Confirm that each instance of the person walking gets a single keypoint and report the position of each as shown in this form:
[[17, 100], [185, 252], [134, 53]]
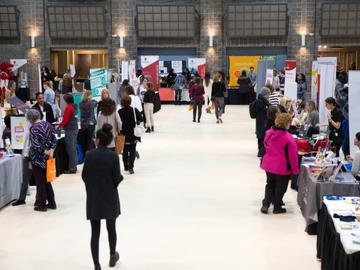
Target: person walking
[[108, 115], [179, 86], [217, 96], [149, 98], [42, 145], [101, 175], [280, 162], [207, 83], [129, 116], [197, 93], [70, 125], [87, 120]]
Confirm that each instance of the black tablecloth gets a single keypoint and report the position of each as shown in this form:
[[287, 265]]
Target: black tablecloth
[[329, 246], [61, 158], [235, 97]]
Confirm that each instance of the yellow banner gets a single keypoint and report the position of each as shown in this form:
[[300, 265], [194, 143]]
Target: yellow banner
[[240, 63]]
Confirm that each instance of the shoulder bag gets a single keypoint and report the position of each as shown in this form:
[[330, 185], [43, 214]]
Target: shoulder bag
[[139, 129]]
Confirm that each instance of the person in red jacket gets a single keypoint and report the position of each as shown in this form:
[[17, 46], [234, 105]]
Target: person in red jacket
[[197, 93], [280, 162]]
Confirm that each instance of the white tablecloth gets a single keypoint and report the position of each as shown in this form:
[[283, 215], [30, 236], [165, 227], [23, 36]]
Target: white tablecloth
[[344, 208], [10, 179]]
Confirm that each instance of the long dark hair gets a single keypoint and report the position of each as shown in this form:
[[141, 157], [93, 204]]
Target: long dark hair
[[104, 135], [207, 79]]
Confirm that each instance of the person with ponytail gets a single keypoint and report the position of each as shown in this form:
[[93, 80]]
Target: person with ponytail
[[335, 118], [101, 175]]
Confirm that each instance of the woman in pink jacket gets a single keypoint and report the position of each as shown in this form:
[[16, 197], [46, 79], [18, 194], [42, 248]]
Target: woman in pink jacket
[[280, 162]]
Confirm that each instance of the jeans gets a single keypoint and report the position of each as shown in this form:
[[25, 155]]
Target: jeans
[[129, 154], [44, 190], [219, 106], [149, 114], [88, 138], [70, 144], [197, 108], [95, 236], [178, 94], [276, 186]]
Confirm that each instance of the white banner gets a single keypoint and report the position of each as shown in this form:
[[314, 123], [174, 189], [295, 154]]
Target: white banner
[[124, 70], [291, 91], [177, 66], [133, 81], [314, 81], [327, 71], [269, 76], [18, 132], [18, 63], [354, 108], [147, 60]]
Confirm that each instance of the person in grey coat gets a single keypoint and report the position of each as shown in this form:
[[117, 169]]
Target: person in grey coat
[[102, 175], [87, 120]]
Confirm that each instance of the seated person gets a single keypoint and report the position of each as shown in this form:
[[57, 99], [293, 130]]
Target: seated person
[[356, 159], [44, 107]]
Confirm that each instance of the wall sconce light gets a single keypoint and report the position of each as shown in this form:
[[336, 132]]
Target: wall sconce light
[[121, 41], [303, 40], [211, 41], [33, 45]]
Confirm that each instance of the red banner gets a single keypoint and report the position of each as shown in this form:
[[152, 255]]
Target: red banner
[[151, 72]]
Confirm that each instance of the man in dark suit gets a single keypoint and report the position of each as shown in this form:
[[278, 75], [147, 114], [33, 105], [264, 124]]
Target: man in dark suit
[[44, 108]]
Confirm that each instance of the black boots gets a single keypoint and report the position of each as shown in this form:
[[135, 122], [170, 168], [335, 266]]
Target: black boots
[[148, 130], [114, 259], [18, 202]]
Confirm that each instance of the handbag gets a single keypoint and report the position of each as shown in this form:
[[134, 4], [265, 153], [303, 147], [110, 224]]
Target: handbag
[[139, 129], [119, 144], [50, 170]]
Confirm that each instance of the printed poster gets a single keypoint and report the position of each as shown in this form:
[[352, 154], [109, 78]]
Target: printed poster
[[150, 69], [19, 128], [240, 63], [197, 65], [18, 63], [98, 79], [290, 79], [133, 81], [314, 82], [124, 70]]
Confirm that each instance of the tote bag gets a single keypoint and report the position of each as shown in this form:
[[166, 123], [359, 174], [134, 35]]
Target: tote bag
[[139, 129], [50, 170], [119, 144]]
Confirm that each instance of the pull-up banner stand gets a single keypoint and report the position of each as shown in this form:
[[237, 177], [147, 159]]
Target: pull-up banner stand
[[151, 69], [354, 108]]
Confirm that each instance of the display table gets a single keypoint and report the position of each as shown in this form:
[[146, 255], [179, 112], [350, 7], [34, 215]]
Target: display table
[[338, 244], [311, 193], [167, 95], [235, 97], [10, 179]]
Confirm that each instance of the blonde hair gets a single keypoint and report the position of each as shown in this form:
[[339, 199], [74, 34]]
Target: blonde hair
[[283, 120], [285, 102], [87, 95], [217, 77], [311, 106], [103, 92]]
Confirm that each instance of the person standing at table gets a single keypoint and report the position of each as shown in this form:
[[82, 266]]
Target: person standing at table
[[197, 93], [179, 86], [101, 175], [280, 162], [301, 86], [244, 83], [335, 118], [44, 108], [312, 119], [129, 117], [252, 76], [70, 125], [108, 115], [87, 120], [217, 96], [149, 99], [42, 145], [105, 94]]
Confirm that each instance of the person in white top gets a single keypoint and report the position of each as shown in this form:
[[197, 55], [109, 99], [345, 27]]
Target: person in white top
[[142, 89], [135, 100], [356, 159], [208, 82]]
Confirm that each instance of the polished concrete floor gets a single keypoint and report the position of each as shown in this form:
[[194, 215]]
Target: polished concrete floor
[[192, 204]]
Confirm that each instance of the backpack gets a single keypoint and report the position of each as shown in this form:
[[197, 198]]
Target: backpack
[[252, 109]]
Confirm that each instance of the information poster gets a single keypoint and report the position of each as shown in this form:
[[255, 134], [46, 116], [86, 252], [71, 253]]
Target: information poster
[[240, 63], [314, 82], [327, 71], [151, 69], [77, 100], [18, 63], [290, 76], [177, 66], [354, 108], [18, 132], [133, 81], [124, 70], [98, 79], [269, 76], [197, 65]]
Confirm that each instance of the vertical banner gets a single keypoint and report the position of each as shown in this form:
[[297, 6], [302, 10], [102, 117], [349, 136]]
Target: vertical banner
[[269, 76], [327, 72], [354, 108], [98, 78], [18, 132], [18, 63], [124, 70], [40, 82], [133, 81], [177, 66], [239, 63], [197, 65], [314, 82], [290, 76], [150, 69]]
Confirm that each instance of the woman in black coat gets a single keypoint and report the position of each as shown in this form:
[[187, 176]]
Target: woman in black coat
[[127, 115], [102, 175]]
